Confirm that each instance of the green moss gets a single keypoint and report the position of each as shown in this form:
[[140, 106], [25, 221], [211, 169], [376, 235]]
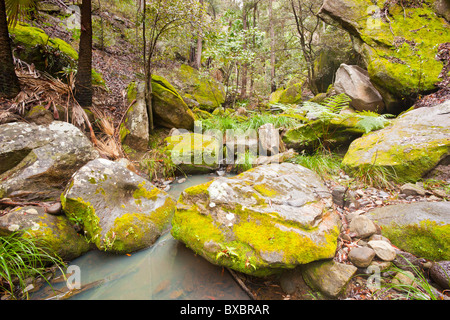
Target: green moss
[[83, 213], [202, 88], [265, 190], [407, 162], [131, 230], [428, 239], [32, 36], [143, 192], [403, 60]]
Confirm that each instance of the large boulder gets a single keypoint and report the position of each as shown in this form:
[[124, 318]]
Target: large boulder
[[118, 210], [33, 45], [53, 232], [331, 130], [397, 50], [198, 89], [410, 147], [355, 83], [194, 153], [291, 95], [169, 108], [422, 228], [48, 54], [268, 218], [36, 162]]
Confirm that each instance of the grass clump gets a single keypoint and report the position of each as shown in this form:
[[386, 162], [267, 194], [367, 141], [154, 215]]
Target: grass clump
[[21, 258], [325, 164]]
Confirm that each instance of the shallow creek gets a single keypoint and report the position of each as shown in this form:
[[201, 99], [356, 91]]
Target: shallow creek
[[167, 270]]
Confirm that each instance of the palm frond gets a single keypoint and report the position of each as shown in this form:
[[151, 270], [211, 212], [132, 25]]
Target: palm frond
[[16, 9]]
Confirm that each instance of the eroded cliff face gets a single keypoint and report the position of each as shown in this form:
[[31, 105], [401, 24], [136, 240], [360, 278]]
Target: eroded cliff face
[[397, 42]]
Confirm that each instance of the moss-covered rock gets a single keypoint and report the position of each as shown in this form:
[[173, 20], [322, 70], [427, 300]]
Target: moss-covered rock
[[264, 220], [207, 93], [422, 228], [398, 50], [118, 210], [169, 108], [53, 232], [291, 95], [409, 148], [194, 152], [134, 130], [52, 55], [338, 131]]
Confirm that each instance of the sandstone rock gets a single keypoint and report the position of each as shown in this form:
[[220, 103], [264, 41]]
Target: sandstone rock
[[56, 232], [169, 109], [419, 228], [355, 82], [361, 257], [440, 273], [410, 147], [410, 189], [194, 152], [270, 217], [390, 47], [362, 227], [37, 161], [329, 277], [383, 250], [134, 131], [118, 210]]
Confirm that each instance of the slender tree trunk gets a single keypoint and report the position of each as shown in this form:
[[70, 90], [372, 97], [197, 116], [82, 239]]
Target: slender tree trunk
[[148, 70], [245, 64], [9, 83], [273, 86], [83, 79], [198, 56]]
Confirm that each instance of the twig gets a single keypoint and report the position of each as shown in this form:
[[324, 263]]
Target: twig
[[241, 284]]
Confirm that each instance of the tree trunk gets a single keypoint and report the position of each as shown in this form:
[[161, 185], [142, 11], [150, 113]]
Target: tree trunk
[[198, 56], [9, 83], [245, 64], [273, 86], [83, 79]]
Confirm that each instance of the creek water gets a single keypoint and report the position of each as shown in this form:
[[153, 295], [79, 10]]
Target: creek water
[[166, 271]]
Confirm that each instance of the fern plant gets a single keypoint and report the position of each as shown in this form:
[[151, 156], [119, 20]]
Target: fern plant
[[372, 121], [337, 102]]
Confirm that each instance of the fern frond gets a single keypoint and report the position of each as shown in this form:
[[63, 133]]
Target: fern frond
[[372, 121], [337, 102]]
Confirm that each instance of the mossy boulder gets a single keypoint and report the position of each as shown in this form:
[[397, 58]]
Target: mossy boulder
[[52, 55], [37, 161], [53, 232], [260, 222], [194, 153], [409, 148], [398, 51], [169, 108], [422, 228], [205, 92], [332, 130], [118, 210], [291, 95]]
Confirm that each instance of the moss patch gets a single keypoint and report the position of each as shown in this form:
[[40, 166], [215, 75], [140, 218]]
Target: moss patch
[[428, 239]]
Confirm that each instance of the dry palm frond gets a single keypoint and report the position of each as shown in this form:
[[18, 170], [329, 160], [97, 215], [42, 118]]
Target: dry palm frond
[[104, 122], [107, 145]]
